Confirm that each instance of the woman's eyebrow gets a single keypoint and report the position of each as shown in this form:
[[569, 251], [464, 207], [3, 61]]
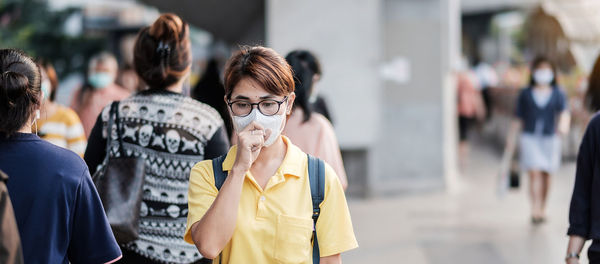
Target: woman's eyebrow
[[242, 97]]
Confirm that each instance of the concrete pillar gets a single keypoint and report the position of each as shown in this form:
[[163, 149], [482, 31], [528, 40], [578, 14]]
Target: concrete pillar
[[417, 146], [396, 136], [345, 36]]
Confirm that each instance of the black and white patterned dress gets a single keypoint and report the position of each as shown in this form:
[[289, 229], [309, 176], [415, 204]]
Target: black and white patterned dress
[[171, 132]]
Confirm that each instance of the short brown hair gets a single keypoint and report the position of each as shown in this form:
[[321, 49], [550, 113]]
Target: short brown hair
[[162, 52], [264, 66]]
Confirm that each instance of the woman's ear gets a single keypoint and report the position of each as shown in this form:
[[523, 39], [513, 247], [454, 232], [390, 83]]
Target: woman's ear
[[227, 106], [290, 104]]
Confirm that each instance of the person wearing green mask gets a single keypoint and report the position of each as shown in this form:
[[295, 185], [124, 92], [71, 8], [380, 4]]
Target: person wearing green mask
[[99, 90], [58, 124]]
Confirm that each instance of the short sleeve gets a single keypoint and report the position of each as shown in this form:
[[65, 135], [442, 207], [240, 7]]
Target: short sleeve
[[581, 199], [328, 148], [334, 227], [92, 240], [520, 107], [201, 194], [563, 102]]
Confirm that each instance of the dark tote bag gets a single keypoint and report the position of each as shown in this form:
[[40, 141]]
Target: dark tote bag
[[119, 182]]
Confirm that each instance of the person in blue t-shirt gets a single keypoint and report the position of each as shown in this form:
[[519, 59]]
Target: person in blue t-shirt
[[58, 212]]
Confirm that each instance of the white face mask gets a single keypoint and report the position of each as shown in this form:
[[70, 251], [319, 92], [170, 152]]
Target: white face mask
[[45, 87], [543, 76], [273, 123]]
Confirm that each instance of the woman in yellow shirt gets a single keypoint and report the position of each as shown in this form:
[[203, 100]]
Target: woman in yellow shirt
[[262, 213], [58, 124]]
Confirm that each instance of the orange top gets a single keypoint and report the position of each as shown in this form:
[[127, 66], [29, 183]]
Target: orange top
[[316, 137]]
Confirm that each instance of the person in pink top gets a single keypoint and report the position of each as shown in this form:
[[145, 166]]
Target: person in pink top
[[470, 108], [99, 90], [311, 131]]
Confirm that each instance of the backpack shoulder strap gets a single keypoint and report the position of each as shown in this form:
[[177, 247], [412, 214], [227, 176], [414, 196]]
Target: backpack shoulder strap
[[316, 175], [220, 177], [218, 172]]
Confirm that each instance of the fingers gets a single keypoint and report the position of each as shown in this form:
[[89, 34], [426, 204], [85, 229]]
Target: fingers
[[267, 134], [253, 136], [252, 139], [253, 126]]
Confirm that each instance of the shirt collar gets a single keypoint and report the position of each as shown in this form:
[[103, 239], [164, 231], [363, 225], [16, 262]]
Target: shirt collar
[[293, 164], [20, 137]]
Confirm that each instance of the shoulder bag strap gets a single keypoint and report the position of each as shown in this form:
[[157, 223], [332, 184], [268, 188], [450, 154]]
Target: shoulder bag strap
[[118, 126], [109, 125]]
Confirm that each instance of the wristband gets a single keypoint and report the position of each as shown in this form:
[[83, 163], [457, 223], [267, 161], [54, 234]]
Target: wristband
[[572, 255]]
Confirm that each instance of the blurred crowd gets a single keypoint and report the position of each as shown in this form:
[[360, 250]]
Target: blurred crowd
[[106, 178]]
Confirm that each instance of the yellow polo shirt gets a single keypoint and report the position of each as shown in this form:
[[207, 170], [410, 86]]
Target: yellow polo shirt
[[275, 225]]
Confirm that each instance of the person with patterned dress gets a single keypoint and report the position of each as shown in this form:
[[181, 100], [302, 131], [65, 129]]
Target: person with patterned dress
[[172, 132]]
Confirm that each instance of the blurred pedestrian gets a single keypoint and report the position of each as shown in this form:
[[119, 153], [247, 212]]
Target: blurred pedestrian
[[210, 90], [584, 210], [488, 79], [10, 242], [311, 131], [98, 91], [58, 124], [542, 116], [316, 100], [171, 131], [58, 212], [127, 77], [470, 109], [262, 211]]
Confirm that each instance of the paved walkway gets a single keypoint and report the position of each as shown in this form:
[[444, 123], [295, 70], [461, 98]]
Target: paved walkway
[[471, 226]]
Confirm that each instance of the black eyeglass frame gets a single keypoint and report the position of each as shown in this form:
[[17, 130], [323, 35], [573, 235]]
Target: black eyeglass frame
[[279, 103]]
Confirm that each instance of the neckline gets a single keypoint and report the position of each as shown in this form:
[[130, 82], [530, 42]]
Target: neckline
[[157, 91], [552, 92], [23, 137]]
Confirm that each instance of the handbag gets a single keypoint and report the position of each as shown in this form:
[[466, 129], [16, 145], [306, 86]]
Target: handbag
[[119, 183], [514, 181]]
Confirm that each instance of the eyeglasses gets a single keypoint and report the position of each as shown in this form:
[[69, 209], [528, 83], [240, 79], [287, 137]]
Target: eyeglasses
[[267, 107]]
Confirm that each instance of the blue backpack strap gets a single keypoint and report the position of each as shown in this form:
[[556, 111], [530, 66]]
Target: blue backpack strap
[[316, 175], [220, 175]]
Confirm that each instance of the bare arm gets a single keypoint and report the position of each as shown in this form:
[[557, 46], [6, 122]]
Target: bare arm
[[564, 123], [511, 143], [333, 259], [212, 233], [215, 229], [575, 246]]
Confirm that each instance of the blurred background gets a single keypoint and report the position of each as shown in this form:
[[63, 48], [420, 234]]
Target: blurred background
[[389, 78]]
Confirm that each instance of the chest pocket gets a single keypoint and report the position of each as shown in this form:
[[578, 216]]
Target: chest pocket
[[292, 240]]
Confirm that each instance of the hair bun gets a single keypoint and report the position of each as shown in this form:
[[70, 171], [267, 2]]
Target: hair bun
[[167, 27], [14, 84]]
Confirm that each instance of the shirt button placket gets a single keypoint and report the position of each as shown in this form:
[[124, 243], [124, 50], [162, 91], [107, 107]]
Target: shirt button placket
[[262, 209]]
